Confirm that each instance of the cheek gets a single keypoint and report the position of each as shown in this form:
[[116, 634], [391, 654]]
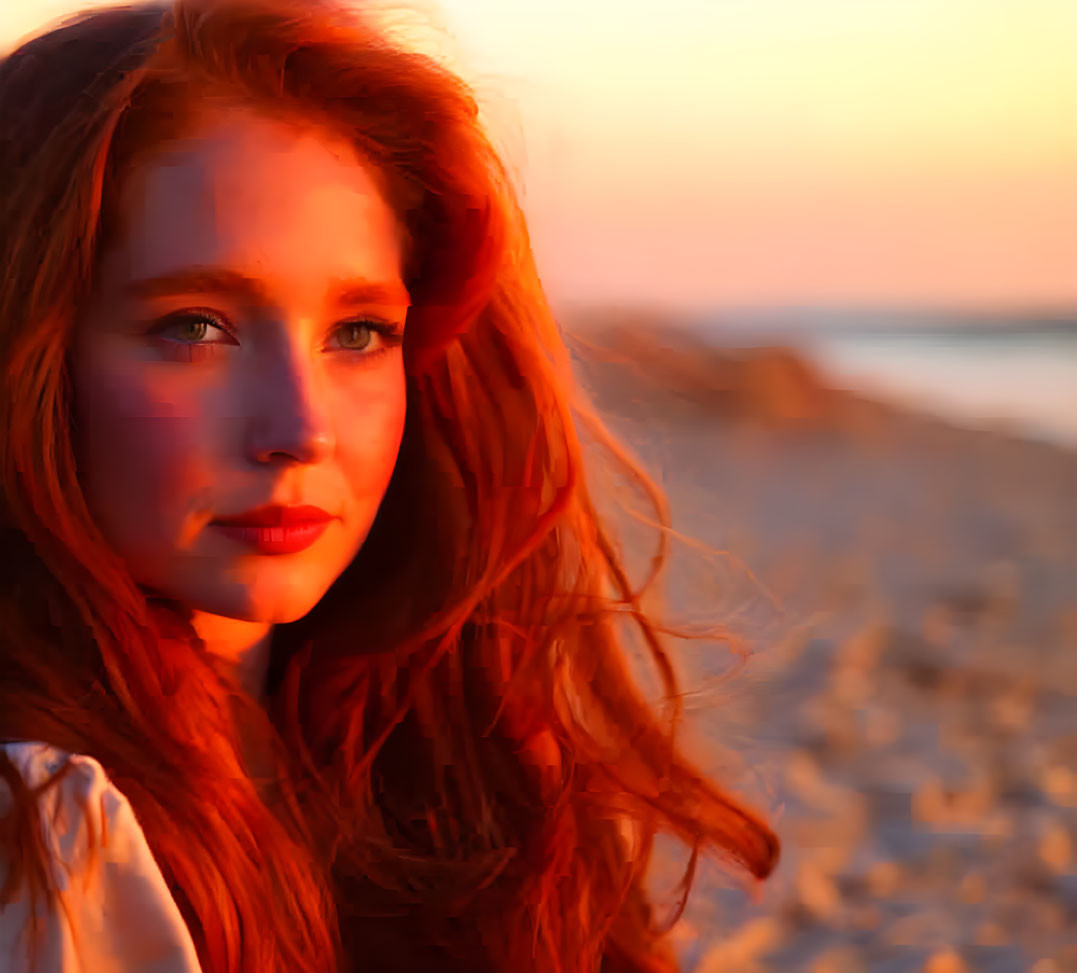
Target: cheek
[[369, 431], [139, 459]]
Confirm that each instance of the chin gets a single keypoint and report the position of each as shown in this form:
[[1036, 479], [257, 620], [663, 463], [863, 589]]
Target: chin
[[272, 611], [265, 599]]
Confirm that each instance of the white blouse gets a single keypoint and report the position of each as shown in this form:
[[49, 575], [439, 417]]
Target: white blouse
[[117, 918]]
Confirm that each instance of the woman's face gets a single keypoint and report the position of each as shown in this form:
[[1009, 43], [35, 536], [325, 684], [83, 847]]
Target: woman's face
[[234, 357]]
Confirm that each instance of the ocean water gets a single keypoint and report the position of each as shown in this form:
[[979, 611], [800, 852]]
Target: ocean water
[[1017, 375]]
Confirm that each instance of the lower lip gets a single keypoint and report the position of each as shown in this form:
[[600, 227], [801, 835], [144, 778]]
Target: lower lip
[[276, 540]]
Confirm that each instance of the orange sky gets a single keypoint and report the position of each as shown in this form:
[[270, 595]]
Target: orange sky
[[709, 152]]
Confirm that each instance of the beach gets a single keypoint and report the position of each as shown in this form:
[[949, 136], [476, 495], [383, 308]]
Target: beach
[[907, 716]]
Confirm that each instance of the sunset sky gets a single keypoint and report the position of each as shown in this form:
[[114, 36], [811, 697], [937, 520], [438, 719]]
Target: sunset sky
[[700, 153]]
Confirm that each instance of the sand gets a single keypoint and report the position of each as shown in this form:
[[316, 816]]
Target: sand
[[908, 717]]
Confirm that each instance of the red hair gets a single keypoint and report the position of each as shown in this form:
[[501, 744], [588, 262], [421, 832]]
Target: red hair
[[469, 776]]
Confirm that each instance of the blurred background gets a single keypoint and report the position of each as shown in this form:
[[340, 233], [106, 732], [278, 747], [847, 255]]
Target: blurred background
[[816, 261]]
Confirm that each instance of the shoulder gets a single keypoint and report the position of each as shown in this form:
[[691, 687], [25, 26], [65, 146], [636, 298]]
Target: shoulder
[[113, 909], [82, 814]]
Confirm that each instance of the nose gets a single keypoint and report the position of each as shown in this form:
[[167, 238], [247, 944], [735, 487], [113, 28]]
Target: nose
[[292, 418]]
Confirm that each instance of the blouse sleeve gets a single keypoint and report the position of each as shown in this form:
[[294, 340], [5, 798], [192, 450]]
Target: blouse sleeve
[[116, 916]]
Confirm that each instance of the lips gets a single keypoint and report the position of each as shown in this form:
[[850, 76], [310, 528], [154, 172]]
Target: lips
[[275, 540], [277, 515]]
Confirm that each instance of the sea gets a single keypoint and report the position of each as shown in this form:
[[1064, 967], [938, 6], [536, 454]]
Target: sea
[[1017, 373]]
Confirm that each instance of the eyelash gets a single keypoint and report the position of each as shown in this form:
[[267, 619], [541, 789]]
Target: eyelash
[[390, 334]]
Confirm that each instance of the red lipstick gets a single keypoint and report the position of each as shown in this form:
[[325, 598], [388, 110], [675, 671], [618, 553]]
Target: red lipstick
[[276, 529]]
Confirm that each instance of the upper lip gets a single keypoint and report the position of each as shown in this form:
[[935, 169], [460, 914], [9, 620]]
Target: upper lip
[[276, 515]]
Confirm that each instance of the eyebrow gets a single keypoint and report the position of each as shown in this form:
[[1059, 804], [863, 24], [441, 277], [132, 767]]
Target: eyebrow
[[223, 281]]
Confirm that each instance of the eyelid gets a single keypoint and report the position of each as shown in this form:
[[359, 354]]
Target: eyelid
[[393, 327]]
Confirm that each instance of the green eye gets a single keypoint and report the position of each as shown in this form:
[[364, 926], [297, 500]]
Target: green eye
[[357, 335], [197, 326]]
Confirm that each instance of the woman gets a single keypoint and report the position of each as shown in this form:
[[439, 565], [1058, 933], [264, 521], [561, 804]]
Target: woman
[[258, 259]]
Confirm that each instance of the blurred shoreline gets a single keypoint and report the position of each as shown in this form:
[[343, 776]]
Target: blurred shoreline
[[1003, 372]]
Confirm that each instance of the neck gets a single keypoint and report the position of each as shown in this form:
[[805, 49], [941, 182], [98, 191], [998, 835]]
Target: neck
[[242, 646]]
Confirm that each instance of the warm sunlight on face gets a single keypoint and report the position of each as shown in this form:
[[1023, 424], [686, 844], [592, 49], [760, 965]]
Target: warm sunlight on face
[[276, 376]]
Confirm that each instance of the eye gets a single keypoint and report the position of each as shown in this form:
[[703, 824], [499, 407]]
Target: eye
[[180, 336], [357, 335], [184, 334], [191, 327]]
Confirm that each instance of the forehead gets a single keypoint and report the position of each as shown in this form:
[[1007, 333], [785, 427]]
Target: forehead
[[270, 197]]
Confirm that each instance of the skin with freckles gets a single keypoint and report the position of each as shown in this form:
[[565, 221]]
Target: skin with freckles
[[242, 348]]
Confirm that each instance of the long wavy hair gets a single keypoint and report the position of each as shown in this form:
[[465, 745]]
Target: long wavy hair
[[469, 775]]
